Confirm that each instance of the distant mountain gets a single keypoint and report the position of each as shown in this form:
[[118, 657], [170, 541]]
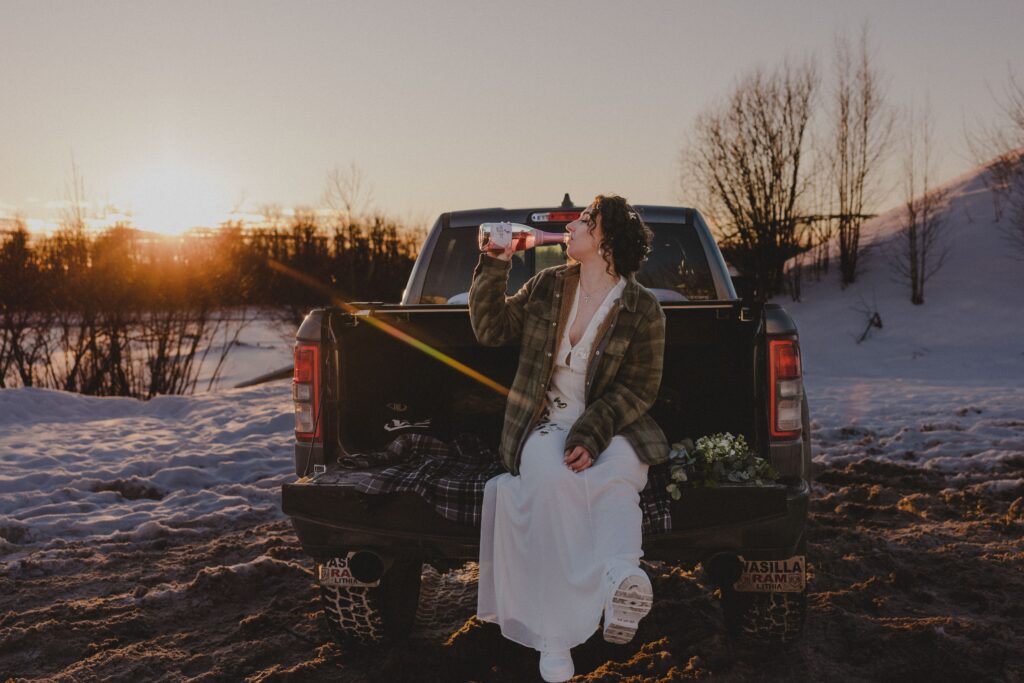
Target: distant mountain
[[970, 328]]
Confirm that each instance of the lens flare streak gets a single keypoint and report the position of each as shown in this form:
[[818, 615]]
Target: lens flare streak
[[391, 329]]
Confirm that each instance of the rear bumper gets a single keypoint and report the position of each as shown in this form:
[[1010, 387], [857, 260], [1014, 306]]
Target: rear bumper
[[772, 532], [329, 518], [762, 522]]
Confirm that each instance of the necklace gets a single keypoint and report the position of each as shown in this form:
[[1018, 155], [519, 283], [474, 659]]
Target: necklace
[[586, 296]]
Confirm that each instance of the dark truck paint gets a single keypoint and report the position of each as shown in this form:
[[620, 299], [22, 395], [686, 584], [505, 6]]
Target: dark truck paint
[[715, 379]]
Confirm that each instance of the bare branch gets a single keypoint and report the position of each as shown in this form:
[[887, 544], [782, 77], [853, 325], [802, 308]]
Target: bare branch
[[348, 194], [921, 248], [746, 170], [863, 126]]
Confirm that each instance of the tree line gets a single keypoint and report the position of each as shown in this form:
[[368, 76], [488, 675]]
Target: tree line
[[127, 313]]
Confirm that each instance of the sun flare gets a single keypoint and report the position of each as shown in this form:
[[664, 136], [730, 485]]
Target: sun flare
[[171, 200]]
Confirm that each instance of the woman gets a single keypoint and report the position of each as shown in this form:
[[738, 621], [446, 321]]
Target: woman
[[560, 540]]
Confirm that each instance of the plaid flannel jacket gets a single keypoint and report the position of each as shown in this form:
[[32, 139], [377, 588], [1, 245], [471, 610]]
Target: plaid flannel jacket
[[623, 371], [451, 477]]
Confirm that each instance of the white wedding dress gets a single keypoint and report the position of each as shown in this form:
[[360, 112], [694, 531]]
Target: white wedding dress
[[548, 536]]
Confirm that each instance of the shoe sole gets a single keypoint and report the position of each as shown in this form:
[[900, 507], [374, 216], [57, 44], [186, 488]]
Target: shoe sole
[[564, 673], [630, 603]]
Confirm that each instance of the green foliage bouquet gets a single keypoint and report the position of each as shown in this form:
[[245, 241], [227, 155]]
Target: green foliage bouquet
[[714, 459]]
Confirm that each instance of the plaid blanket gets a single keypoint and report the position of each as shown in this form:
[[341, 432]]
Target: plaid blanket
[[451, 477]]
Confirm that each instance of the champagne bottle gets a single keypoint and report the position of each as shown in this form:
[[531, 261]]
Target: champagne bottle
[[497, 236]]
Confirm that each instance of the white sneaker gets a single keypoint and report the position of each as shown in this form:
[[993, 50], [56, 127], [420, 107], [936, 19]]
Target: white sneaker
[[629, 601], [556, 666]]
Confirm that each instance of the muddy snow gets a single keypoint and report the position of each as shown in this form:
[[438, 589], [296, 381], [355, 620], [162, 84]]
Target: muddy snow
[[125, 560]]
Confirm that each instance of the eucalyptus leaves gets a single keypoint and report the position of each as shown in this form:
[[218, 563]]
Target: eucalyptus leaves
[[716, 459]]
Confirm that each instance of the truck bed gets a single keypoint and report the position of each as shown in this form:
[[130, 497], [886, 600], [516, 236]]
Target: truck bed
[[709, 384]]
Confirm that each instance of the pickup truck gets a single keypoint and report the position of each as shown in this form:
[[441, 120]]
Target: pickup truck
[[731, 365]]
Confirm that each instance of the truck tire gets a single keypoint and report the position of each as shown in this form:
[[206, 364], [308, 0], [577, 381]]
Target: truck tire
[[765, 618], [368, 616]]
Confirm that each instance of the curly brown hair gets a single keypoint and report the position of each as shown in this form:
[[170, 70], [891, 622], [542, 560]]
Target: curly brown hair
[[625, 235]]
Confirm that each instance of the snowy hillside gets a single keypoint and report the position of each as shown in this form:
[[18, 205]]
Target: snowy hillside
[[970, 330], [939, 385]]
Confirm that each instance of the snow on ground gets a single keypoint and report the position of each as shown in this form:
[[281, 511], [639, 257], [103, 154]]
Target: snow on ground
[[941, 385], [82, 468], [975, 435], [263, 346], [969, 331]]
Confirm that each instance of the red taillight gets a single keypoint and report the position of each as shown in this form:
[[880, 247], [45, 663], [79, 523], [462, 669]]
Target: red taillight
[[563, 216], [786, 388], [306, 392], [786, 359], [305, 363]]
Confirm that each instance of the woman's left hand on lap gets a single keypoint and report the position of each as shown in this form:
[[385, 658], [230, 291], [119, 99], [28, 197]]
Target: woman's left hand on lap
[[578, 459]]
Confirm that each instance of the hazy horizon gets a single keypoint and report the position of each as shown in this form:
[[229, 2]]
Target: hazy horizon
[[182, 112]]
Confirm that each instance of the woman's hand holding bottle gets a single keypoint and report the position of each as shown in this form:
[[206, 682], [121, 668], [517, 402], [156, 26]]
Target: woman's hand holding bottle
[[497, 241], [501, 240]]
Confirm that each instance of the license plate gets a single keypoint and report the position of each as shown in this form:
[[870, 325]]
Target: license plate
[[773, 576], [336, 572]]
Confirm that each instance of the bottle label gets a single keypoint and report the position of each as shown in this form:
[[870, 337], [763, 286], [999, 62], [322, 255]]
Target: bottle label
[[501, 235]]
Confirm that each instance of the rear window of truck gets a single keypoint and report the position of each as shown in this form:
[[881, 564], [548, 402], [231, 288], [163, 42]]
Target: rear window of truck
[[677, 269]]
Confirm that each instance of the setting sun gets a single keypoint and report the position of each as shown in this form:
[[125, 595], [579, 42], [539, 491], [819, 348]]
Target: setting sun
[[173, 199]]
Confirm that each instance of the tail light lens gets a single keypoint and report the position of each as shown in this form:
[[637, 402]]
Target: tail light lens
[[786, 388], [551, 216], [306, 392]]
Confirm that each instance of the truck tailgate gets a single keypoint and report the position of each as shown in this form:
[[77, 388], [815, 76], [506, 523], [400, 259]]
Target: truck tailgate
[[325, 513]]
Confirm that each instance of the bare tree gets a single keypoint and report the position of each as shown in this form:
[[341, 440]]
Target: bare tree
[[920, 250], [820, 229], [73, 214], [348, 194], [863, 127], [22, 308], [745, 167], [1000, 146]]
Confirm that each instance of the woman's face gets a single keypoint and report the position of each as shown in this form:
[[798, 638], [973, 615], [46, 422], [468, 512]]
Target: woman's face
[[585, 234]]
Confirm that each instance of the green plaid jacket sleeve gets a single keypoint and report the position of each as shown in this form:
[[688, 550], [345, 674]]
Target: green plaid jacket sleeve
[[496, 318], [625, 399]]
